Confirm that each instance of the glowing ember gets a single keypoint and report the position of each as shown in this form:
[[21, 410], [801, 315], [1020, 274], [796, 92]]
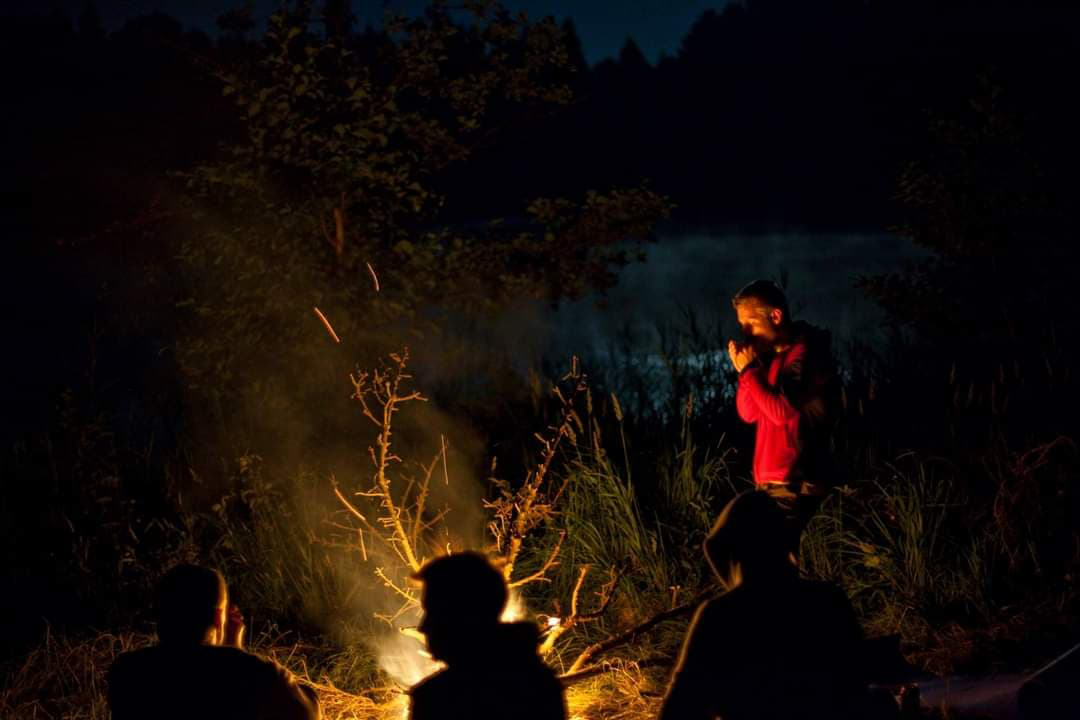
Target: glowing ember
[[373, 275], [326, 324], [553, 622]]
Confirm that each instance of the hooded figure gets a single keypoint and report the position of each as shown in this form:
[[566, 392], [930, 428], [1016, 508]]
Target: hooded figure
[[492, 669], [774, 646]]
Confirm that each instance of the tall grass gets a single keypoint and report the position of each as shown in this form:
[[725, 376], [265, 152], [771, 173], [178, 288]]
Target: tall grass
[[643, 517], [64, 677], [920, 558], [965, 560], [264, 536]]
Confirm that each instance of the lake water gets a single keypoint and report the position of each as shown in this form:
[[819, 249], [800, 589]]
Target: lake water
[[703, 270]]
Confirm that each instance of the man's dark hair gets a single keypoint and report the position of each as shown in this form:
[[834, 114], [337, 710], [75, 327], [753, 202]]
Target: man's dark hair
[[765, 292], [465, 584], [188, 598]]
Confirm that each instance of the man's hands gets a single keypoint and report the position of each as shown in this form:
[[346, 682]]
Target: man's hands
[[234, 628], [741, 355]]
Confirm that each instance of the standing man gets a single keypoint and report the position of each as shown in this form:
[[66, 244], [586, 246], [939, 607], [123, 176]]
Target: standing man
[[787, 389]]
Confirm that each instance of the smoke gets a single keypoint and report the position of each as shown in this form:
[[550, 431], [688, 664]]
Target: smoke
[[403, 659], [285, 395], [374, 613], [267, 377]]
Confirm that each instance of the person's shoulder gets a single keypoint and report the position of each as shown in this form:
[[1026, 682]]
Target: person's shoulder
[[819, 588], [133, 662], [815, 340], [137, 656], [719, 609], [131, 681], [434, 695], [544, 674], [250, 664], [433, 686], [822, 588], [825, 596], [150, 659]]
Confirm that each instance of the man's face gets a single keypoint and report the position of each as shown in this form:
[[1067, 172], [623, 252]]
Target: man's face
[[439, 627], [759, 323]]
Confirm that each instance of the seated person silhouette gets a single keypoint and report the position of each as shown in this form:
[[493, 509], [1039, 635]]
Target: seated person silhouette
[[198, 669], [492, 669], [774, 646]]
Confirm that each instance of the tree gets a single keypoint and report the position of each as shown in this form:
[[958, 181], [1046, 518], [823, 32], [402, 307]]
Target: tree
[[330, 197], [978, 200], [988, 311], [575, 55]]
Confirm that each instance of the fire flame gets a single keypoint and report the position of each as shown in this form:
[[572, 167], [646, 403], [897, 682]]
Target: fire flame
[[515, 608]]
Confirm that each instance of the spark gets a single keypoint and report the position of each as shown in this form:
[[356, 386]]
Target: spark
[[373, 275], [446, 473], [326, 324]]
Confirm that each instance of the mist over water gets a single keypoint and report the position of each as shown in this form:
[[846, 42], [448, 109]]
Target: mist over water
[[700, 271]]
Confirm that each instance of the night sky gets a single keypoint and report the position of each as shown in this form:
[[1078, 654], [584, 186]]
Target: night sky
[[604, 25]]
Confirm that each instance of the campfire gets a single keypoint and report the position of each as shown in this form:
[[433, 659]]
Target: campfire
[[391, 523]]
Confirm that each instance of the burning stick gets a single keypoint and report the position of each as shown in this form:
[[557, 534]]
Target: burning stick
[[373, 275], [326, 324]]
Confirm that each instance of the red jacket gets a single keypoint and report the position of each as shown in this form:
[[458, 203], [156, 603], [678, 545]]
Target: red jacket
[[787, 403]]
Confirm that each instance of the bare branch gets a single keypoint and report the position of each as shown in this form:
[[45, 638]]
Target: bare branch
[[523, 511], [606, 595], [348, 505], [569, 679], [635, 632], [541, 573], [405, 594], [582, 573]]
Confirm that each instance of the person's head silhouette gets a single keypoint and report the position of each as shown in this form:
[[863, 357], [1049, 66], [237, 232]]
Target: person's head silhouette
[[191, 606], [463, 599], [750, 540]]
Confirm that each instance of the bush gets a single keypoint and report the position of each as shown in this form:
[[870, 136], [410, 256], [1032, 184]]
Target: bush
[[921, 557]]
